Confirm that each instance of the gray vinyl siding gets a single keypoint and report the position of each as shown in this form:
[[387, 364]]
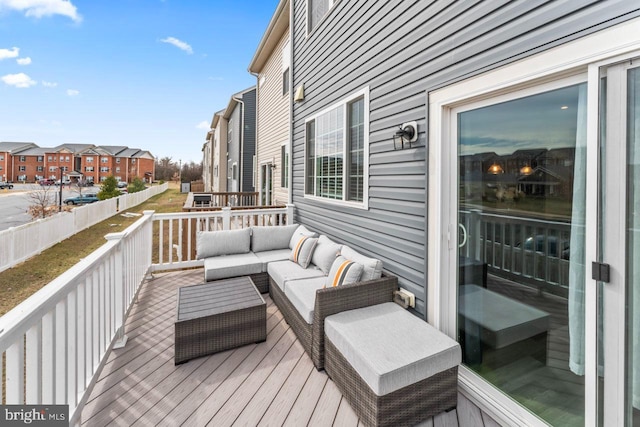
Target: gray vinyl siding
[[249, 140], [402, 50]]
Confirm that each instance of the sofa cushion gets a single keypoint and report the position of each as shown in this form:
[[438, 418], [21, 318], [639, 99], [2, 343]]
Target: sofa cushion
[[325, 253], [389, 347], [224, 266], [302, 295], [271, 237], [372, 266], [303, 251], [343, 272], [283, 271], [227, 242], [300, 231], [270, 256]]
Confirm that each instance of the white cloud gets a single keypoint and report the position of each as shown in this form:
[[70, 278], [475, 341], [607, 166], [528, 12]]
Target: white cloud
[[23, 61], [73, 92], [9, 53], [20, 80], [40, 8], [203, 125], [177, 43], [49, 84]]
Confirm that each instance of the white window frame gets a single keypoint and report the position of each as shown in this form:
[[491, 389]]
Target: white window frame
[[104, 160], [117, 159], [104, 169], [89, 159], [364, 93], [578, 56], [22, 168], [285, 165]]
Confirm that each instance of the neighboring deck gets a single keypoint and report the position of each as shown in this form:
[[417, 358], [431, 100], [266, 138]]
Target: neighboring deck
[[271, 383]]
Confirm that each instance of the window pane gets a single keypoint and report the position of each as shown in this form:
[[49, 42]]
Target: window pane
[[317, 10], [329, 154], [521, 265]]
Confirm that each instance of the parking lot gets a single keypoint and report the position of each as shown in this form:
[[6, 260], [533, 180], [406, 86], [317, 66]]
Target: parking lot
[[14, 203]]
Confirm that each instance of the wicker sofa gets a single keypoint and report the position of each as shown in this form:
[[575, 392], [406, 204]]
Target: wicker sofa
[[300, 291]]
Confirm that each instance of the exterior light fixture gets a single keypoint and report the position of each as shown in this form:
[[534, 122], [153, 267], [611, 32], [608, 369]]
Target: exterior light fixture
[[406, 133], [495, 169], [526, 170], [299, 95]]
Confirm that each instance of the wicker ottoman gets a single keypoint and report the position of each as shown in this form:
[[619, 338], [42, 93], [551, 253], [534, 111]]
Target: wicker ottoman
[[217, 316], [393, 368]]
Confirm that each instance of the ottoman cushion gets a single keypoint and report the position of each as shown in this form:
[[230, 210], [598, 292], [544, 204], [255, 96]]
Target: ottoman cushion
[[389, 347]]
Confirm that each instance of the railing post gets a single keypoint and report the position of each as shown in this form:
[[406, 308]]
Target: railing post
[[226, 218], [119, 306], [475, 248], [290, 207]]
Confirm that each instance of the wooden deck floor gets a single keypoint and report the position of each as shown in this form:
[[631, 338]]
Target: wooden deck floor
[[271, 383]]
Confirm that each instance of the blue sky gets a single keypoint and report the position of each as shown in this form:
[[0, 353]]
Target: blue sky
[[142, 73]]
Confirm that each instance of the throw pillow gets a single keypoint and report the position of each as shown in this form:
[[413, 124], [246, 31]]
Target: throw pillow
[[372, 266], [325, 253], [303, 251], [300, 231], [269, 238], [227, 242], [344, 272]]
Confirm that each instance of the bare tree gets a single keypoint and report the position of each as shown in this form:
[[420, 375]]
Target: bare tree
[[43, 201]]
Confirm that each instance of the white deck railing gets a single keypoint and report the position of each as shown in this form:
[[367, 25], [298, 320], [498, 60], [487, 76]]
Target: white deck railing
[[175, 245], [56, 341], [18, 244]]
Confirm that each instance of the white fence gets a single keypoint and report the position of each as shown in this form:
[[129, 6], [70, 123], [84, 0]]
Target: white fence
[[56, 341], [18, 244], [174, 247]]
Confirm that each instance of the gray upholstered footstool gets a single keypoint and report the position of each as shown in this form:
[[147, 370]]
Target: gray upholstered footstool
[[393, 368]]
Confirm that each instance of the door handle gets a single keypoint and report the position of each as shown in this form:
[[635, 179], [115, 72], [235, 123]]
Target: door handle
[[600, 272]]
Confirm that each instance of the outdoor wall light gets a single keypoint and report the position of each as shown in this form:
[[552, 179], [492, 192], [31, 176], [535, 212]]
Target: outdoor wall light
[[526, 170], [406, 133], [299, 95], [495, 169]]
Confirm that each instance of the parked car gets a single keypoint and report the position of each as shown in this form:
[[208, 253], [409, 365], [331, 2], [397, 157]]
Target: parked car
[[122, 184], [64, 182], [81, 200], [4, 185], [46, 182], [85, 183]]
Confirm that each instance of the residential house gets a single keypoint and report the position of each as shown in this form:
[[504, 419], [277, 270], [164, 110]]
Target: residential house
[[271, 64], [240, 118], [7, 162], [218, 143], [391, 95]]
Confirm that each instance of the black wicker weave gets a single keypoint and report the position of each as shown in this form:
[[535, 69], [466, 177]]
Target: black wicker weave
[[407, 406], [217, 316], [331, 301]]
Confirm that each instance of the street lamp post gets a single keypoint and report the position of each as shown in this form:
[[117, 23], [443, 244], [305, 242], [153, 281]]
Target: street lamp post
[[60, 198]]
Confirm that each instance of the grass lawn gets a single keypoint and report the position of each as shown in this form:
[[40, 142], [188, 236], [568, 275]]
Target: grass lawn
[[21, 281]]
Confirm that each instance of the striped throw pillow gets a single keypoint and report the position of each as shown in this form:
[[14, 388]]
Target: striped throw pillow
[[303, 250], [343, 272]]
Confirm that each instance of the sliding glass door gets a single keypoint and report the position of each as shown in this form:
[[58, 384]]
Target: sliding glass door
[[520, 266]]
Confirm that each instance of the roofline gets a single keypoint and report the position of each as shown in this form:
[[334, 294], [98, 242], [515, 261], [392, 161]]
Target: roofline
[[226, 113], [272, 35]]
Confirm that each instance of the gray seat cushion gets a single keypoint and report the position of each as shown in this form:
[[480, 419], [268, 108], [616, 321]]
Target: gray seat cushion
[[270, 256], [283, 271], [389, 347], [302, 294], [225, 266]]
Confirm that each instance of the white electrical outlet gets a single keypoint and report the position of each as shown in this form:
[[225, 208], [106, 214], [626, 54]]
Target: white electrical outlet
[[412, 297]]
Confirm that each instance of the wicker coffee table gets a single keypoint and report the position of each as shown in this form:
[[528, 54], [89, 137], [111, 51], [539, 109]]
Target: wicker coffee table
[[217, 316]]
